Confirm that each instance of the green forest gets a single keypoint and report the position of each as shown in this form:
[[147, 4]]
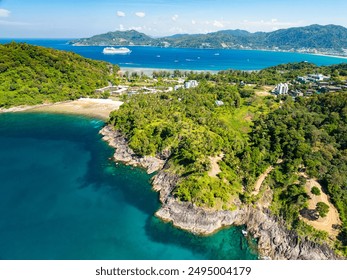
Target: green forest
[[32, 75], [307, 134]]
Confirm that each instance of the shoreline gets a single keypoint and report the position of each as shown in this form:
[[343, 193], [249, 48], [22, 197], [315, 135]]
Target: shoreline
[[218, 49], [149, 71], [275, 241], [91, 107]]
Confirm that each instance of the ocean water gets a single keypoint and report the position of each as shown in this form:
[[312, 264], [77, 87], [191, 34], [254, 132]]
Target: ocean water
[[62, 198], [188, 59]]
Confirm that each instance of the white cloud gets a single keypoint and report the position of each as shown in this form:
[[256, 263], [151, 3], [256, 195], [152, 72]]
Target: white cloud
[[120, 14], [268, 25], [140, 14], [137, 28], [175, 17], [193, 22], [121, 27], [218, 24], [4, 13]]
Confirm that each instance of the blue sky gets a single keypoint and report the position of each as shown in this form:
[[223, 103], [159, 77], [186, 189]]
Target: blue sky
[[77, 18]]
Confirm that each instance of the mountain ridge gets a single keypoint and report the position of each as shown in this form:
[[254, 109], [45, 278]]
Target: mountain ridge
[[331, 39]]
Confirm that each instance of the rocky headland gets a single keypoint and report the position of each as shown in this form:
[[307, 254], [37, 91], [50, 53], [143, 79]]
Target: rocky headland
[[275, 241]]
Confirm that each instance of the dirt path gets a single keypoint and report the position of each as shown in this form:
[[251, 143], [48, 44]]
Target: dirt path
[[332, 217], [215, 169], [264, 91], [261, 180]]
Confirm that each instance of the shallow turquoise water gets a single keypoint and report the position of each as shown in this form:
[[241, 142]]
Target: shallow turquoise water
[[62, 198]]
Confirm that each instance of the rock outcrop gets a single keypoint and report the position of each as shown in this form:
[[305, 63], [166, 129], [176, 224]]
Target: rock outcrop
[[124, 154], [274, 240]]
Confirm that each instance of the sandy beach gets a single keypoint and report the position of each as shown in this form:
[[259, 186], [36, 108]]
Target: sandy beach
[[98, 108]]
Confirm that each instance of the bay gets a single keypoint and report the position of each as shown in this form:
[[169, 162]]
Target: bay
[[186, 59], [62, 198]]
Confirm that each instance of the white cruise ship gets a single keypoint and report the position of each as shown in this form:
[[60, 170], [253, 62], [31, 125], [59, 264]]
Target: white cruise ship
[[111, 50]]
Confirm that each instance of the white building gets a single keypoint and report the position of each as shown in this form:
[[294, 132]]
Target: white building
[[177, 87], [219, 102], [281, 88], [317, 77], [191, 84]]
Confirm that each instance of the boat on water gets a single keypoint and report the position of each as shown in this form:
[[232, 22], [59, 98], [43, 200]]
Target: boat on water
[[111, 50]]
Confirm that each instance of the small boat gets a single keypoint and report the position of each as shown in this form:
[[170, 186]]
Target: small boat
[[244, 232], [111, 50]]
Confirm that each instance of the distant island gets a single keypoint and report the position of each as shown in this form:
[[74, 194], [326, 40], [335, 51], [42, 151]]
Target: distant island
[[317, 39]]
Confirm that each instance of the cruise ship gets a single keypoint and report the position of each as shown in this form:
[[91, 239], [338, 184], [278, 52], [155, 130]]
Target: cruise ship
[[111, 50]]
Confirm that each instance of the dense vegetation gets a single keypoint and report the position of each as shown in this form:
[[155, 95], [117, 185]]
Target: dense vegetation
[[190, 126], [309, 134], [33, 75], [329, 37], [250, 132]]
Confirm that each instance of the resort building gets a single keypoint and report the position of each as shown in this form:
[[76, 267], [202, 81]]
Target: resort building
[[281, 89], [191, 84], [316, 77]]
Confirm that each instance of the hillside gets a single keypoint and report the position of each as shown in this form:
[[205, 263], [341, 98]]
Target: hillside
[[329, 38], [32, 75], [219, 153]]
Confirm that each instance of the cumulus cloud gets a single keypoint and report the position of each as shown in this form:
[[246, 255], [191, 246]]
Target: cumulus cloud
[[120, 14], [140, 14], [193, 22], [218, 24], [4, 13], [137, 28], [174, 17]]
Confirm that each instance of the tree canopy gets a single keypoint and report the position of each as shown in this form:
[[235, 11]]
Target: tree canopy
[[32, 75]]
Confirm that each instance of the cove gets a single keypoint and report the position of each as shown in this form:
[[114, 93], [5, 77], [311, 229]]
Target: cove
[[62, 198]]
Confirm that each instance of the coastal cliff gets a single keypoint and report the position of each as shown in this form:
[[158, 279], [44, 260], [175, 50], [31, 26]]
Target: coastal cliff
[[126, 155], [274, 240]]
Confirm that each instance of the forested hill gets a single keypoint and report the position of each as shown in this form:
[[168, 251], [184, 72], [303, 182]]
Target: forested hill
[[32, 75], [314, 37], [246, 135]]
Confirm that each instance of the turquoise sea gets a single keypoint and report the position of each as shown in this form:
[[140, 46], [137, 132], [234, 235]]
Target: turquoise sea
[[61, 197], [189, 59]]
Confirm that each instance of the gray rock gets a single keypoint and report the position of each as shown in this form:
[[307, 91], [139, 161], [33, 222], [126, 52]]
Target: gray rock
[[124, 154]]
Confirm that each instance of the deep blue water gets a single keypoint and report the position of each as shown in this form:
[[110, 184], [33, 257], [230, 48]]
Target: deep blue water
[[192, 59], [61, 197]]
